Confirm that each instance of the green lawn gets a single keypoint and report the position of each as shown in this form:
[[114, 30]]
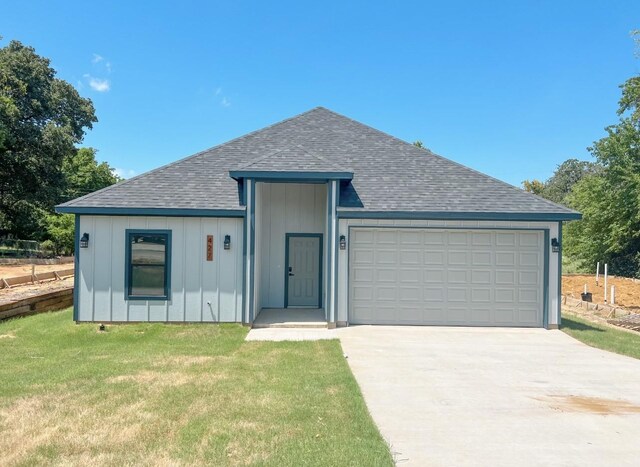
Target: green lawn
[[602, 337], [156, 394]]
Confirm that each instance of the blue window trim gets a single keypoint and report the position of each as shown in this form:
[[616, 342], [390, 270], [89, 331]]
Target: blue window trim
[[167, 265], [288, 236]]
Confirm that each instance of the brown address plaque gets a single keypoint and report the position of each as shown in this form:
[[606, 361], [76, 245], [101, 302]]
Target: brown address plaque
[[209, 247]]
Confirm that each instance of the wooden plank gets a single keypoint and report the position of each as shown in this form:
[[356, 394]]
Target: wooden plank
[[19, 280], [37, 298]]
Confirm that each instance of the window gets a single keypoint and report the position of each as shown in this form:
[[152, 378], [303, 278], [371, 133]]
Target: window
[[148, 264]]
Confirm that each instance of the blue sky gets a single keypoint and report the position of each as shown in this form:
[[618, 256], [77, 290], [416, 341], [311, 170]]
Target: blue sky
[[509, 88]]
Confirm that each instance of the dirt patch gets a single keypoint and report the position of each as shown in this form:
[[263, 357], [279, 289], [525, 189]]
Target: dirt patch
[[7, 336], [16, 270], [584, 404], [186, 360], [154, 378], [627, 290]]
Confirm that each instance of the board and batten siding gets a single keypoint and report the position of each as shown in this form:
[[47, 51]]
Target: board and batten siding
[[283, 208], [194, 281], [553, 301]]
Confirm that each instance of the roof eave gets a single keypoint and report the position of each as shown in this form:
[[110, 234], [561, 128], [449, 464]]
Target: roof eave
[[459, 215], [165, 212], [289, 175]]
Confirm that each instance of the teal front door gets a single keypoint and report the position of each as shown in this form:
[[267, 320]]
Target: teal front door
[[304, 270]]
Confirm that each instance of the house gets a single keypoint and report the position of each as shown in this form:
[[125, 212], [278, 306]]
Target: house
[[318, 212]]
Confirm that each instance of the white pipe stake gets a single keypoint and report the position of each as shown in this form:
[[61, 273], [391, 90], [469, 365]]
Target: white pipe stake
[[613, 294], [585, 288], [606, 273], [597, 272]]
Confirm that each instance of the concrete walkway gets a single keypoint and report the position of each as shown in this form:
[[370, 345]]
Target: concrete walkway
[[500, 397]]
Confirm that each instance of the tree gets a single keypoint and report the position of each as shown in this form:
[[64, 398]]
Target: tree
[[83, 174], [559, 185], [417, 143], [42, 118], [533, 186], [610, 198], [60, 230], [565, 177]]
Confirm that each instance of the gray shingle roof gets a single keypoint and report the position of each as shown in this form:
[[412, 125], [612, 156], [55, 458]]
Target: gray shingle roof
[[389, 174], [291, 159]]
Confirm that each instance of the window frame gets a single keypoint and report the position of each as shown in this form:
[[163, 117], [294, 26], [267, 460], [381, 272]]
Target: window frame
[[128, 265]]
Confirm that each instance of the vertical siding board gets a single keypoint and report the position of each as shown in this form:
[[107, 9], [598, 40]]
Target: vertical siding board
[[277, 239], [100, 243], [85, 271], [192, 310], [175, 306], [227, 267], [209, 275], [239, 289], [118, 228]]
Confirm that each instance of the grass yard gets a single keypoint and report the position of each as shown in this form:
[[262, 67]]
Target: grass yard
[[602, 337], [155, 394]]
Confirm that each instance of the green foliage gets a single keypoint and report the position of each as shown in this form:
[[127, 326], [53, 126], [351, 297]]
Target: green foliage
[[60, 230], [48, 247], [42, 118], [562, 181], [417, 143], [533, 186], [83, 174], [610, 198]]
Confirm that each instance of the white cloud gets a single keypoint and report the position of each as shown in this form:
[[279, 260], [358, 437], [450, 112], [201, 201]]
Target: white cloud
[[124, 173], [218, 91], [98, 84], [97, 58], [108, 67], [225, 102]]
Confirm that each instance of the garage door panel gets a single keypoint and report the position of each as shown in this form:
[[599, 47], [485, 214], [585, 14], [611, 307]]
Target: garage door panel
[[481, 276], [481, 258], [528, 278], [441, 277], [505, 295], [505, 258], [434, 257], [433, 294], [480, 316], [457, 276], [481, 239], [527, 239], [481, 295], [529, 259], [434, 276], [457, 294], [363, 256], [505, 277], [458, 258], [506, 239]]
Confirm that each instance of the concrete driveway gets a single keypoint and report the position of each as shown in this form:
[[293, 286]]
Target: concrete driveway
[[488, 396]]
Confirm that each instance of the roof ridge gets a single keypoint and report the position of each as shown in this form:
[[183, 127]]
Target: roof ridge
[[192, 156], [428, 151]]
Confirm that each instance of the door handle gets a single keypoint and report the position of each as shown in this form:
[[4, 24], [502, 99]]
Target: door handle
[[291, 271]]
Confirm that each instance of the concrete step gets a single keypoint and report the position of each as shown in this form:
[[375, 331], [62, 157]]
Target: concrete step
[[292, 324]]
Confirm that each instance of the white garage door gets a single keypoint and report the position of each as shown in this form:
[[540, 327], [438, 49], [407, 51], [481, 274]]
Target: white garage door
[[446, 277]]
